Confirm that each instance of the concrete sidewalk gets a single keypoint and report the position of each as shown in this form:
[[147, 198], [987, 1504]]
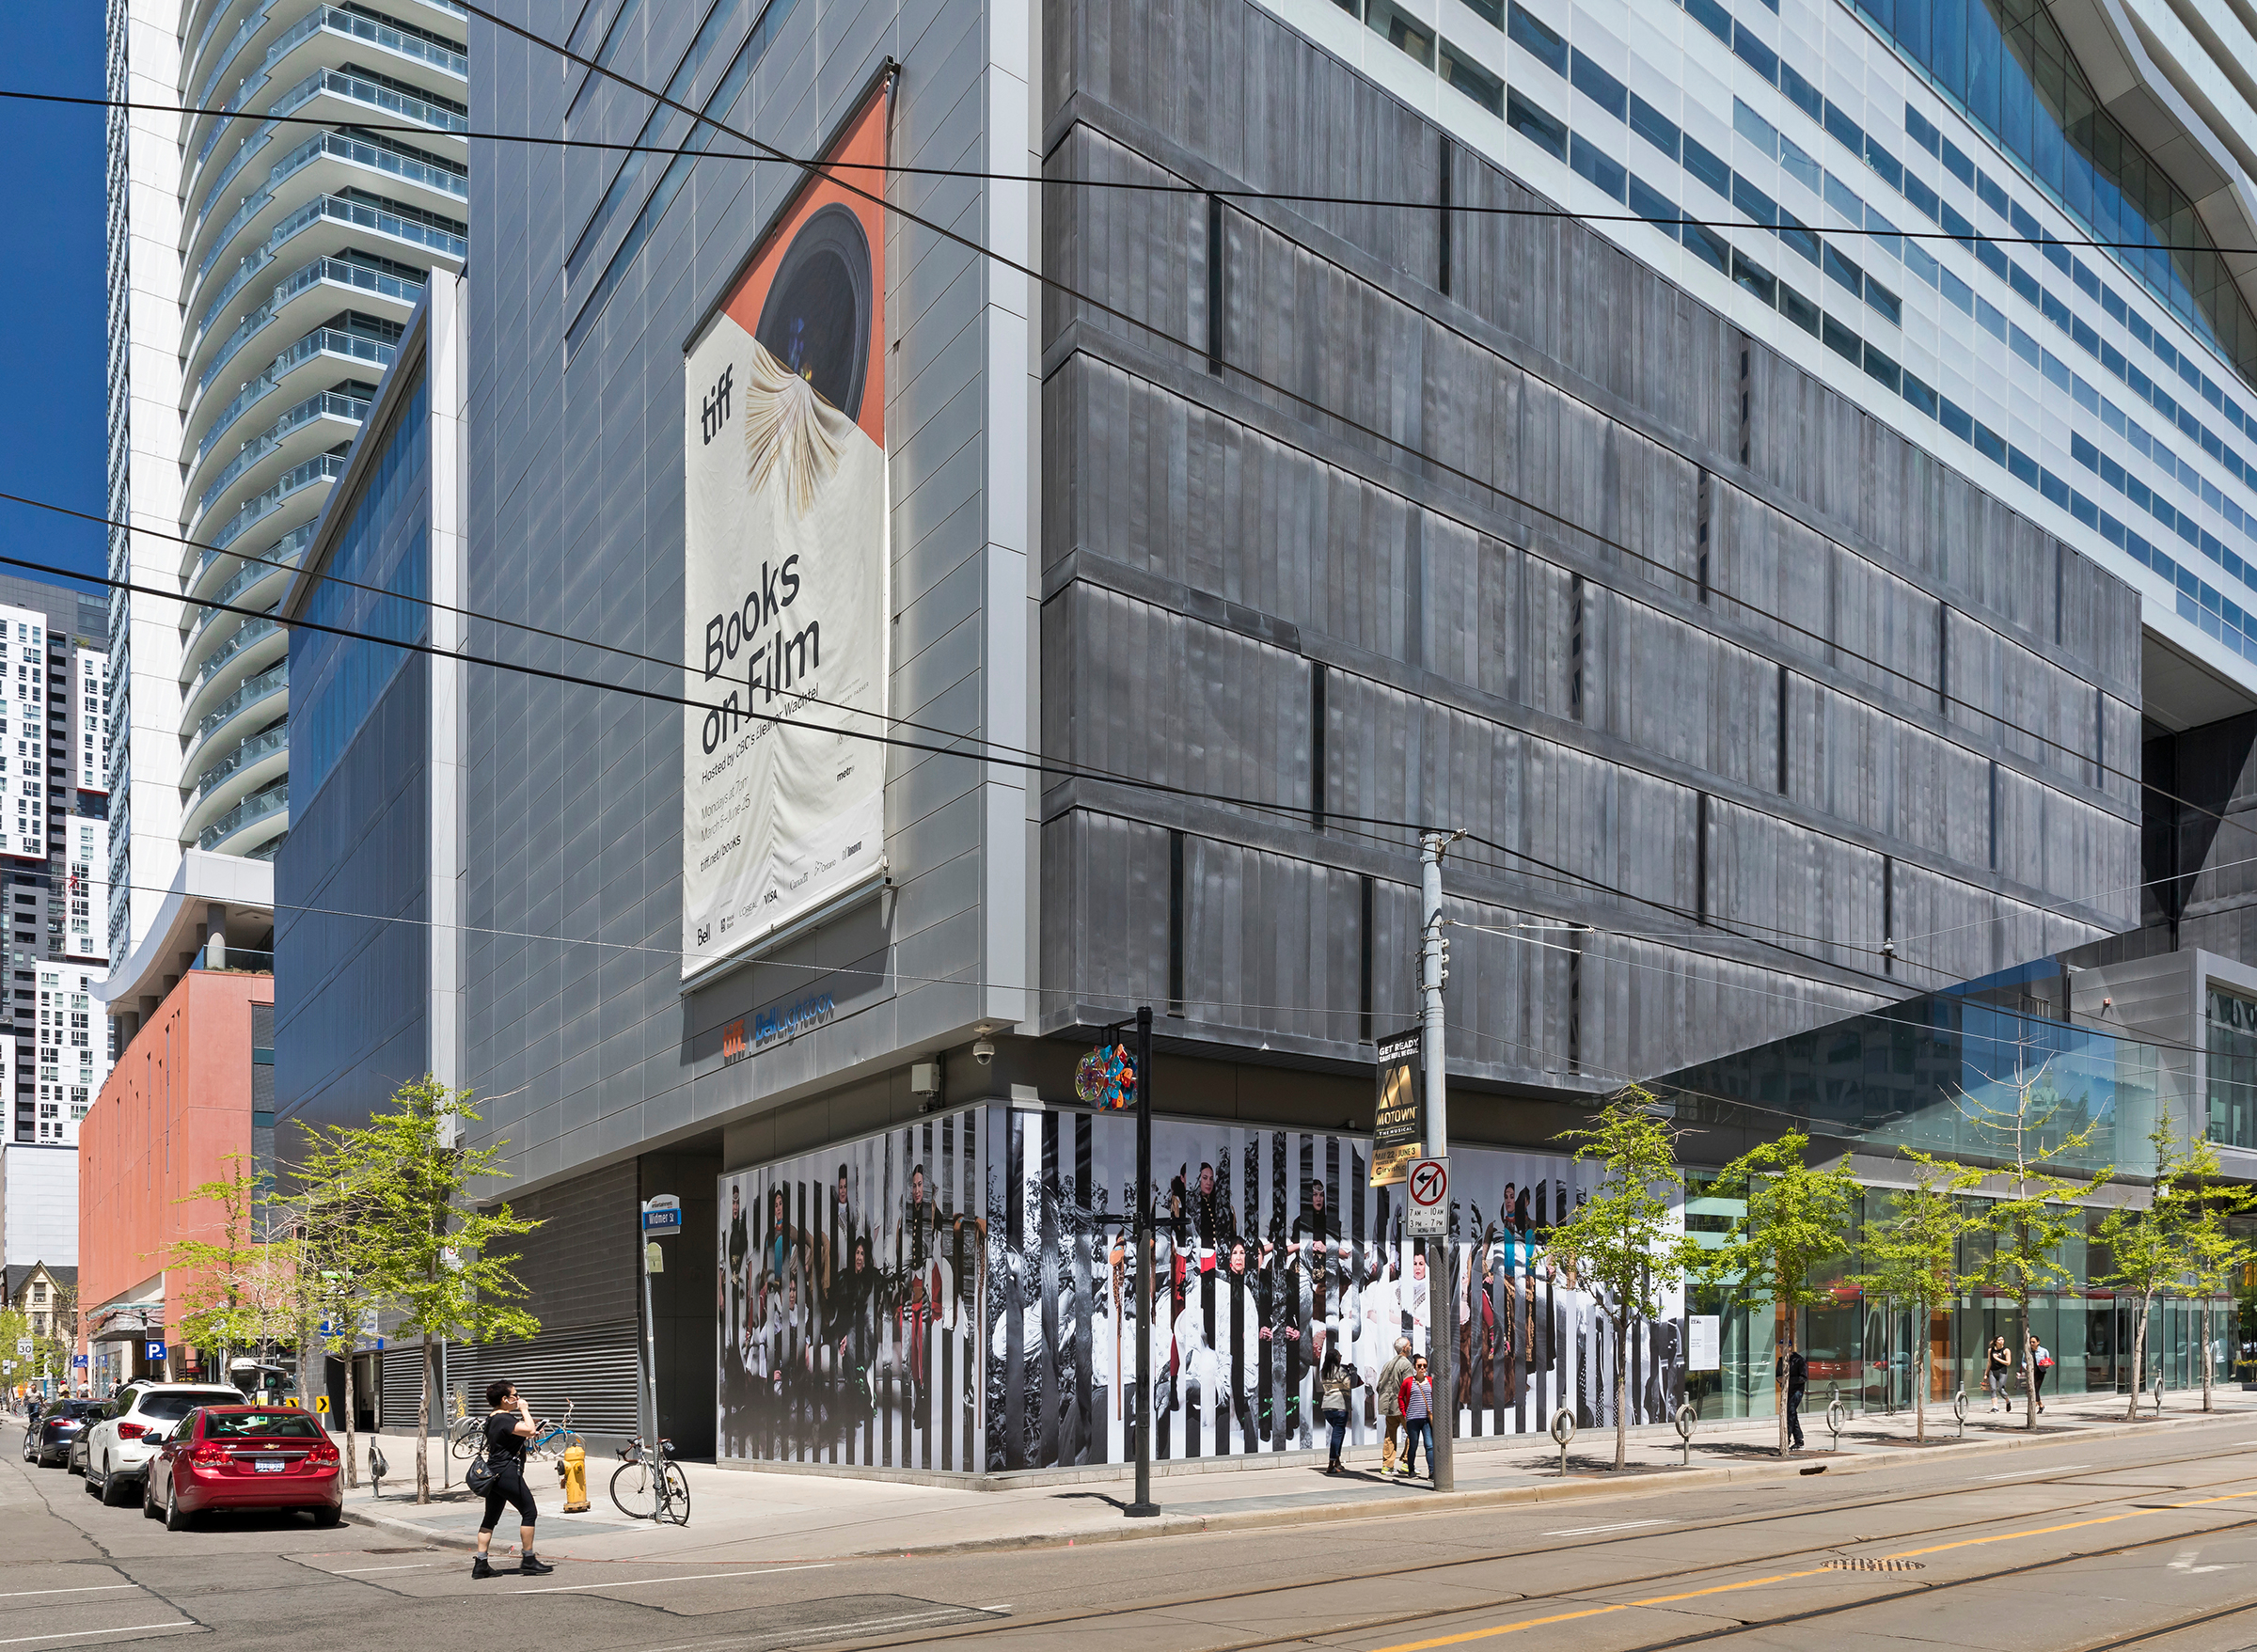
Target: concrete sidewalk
[[781, 1517]]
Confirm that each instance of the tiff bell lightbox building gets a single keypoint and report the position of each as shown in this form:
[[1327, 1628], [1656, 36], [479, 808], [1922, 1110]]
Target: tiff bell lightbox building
[[1699, 453]]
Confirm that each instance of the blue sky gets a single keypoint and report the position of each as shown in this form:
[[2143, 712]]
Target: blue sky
[[52, 321]]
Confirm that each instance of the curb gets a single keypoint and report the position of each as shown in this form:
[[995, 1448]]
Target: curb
[[1576, 1491]]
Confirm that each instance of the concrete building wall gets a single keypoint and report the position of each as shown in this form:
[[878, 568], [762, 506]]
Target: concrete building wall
[[39, 1202]]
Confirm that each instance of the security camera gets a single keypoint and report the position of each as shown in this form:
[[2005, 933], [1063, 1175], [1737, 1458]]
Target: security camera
[[983, 1053]]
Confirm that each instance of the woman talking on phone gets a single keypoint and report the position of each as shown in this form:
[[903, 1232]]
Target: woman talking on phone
[[506, 1431]]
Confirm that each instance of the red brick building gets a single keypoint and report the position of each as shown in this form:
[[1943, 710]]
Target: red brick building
[[194, 1086]]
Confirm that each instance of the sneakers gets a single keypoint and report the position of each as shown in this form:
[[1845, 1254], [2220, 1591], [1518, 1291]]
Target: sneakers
[[532, 1565], [480, 1567]]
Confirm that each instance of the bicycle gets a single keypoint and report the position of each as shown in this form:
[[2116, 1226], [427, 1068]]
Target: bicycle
[[650, 1485], [552, 1439]]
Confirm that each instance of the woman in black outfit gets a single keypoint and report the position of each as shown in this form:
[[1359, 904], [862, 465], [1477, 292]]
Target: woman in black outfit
[[506, 1431]]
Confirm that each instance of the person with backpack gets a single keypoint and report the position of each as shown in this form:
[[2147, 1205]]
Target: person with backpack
[[1391, 1377], [507, 1430], [1998, 1371], [2039, 1364], [1797, 1370]]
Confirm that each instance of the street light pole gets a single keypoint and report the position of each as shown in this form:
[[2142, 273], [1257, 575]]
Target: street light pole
[[1441, 1292], [1144, 1507]]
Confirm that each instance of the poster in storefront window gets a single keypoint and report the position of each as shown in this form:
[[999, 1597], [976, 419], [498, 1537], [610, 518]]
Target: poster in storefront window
[[784, 606]]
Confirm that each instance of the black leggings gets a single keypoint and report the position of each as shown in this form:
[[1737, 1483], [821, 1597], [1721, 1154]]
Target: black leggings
[[509, 1487]]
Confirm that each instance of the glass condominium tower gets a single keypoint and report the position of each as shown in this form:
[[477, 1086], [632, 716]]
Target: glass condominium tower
[[266, 246], [1997, 227]]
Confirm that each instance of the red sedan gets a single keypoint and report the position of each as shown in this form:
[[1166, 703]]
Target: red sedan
[[243, 1458]]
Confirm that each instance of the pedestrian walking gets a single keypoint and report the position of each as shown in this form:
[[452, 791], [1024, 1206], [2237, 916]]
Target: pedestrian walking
[[1392, 1377], [1416, 1400], [2039, 1362], [1998, 1371], [507, 1430], [1335, 1381], [1796, 1370]]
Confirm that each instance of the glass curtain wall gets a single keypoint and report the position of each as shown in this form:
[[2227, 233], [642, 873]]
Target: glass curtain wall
[[2005, 64], [2232, 1090]]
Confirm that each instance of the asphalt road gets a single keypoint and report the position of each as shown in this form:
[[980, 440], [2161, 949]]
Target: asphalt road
[[2070, 1547]]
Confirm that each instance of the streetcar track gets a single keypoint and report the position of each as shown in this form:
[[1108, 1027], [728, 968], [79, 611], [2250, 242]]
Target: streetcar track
[[1397, 1573]]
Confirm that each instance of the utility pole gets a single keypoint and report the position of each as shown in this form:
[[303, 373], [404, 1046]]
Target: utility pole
[[1144, 1507], [1442, 1291]]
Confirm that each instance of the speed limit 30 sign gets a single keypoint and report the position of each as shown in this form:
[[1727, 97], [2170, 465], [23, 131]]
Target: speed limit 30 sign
[[1429, 1185]]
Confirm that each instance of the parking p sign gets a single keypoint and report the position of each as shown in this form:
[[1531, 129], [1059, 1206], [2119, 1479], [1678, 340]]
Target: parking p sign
[[153, 1352], [1429, 1185]]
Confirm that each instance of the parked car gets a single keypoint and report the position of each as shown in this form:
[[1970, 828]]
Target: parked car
[[47, 1437], [116, 1445], [233, 1457]]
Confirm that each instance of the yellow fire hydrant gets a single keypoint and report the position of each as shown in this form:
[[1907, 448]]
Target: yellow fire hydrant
[[573, 1469]]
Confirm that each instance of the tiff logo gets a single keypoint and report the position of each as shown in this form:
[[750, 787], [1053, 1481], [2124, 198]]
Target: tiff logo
[[717, 406]]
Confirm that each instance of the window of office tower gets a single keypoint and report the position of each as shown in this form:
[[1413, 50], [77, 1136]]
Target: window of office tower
[[2006, 65], [2233, 1051], [384, 551]]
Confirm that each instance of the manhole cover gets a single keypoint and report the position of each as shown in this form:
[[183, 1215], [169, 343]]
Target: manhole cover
[[1861, 1564], [399, 1552]]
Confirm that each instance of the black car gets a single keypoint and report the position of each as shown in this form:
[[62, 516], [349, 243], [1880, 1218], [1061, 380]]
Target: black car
[[48, 1439]]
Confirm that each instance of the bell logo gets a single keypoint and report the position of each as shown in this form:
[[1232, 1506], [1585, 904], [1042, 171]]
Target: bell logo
[[732, 1042]]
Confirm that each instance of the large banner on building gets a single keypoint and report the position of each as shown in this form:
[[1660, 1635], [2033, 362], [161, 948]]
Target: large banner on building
[[961, 1295], [784, 605]]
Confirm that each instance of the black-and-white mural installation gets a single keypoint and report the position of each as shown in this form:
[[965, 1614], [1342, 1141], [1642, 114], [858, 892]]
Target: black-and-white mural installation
[[960, 1295]]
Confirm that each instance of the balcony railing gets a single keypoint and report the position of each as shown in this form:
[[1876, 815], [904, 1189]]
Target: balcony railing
[[361, 89], [439, 56], [321, 338], [293, 420], [341, 271], [250, 752], [287, 548], [251, 574], [259, 806], [321, 468], [251, 25], [253, 690]]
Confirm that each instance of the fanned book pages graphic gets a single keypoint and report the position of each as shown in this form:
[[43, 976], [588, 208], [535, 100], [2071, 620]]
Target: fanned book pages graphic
[[791, 433]]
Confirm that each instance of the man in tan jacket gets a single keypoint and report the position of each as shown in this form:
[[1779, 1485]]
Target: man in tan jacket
[[1390, 1388]]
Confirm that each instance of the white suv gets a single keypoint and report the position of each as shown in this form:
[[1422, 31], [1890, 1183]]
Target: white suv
[[126, 1433]]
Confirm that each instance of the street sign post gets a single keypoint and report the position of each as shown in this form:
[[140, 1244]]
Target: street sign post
[[661, 1216], [1429, 1184]]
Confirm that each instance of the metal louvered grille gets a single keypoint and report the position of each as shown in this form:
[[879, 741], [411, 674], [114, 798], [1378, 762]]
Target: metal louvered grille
[[402, 1387], [598, 1367]]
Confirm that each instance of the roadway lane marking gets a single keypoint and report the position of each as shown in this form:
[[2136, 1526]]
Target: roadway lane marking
[[1531, 1623], [639, 1582], [83, 1589], [2026, 1473], [131, 1628], [1617, 1526]]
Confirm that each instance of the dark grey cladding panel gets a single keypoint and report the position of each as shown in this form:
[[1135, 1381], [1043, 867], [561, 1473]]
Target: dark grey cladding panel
[[1482, 516]]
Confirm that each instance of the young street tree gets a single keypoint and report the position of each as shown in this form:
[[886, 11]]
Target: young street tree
[[1913, 1253], [2028, 1136], [2214, 1256], [1622, 1243], [429, 1249], [2152, 1248], [242, 1290], [1794, 1218], [331, 1204]]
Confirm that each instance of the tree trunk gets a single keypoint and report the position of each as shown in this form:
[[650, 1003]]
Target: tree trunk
[[1919, 1395], [423, 1427], [1621, 1386], [2205, 1353], [2139, 1364], [352, 1439]]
